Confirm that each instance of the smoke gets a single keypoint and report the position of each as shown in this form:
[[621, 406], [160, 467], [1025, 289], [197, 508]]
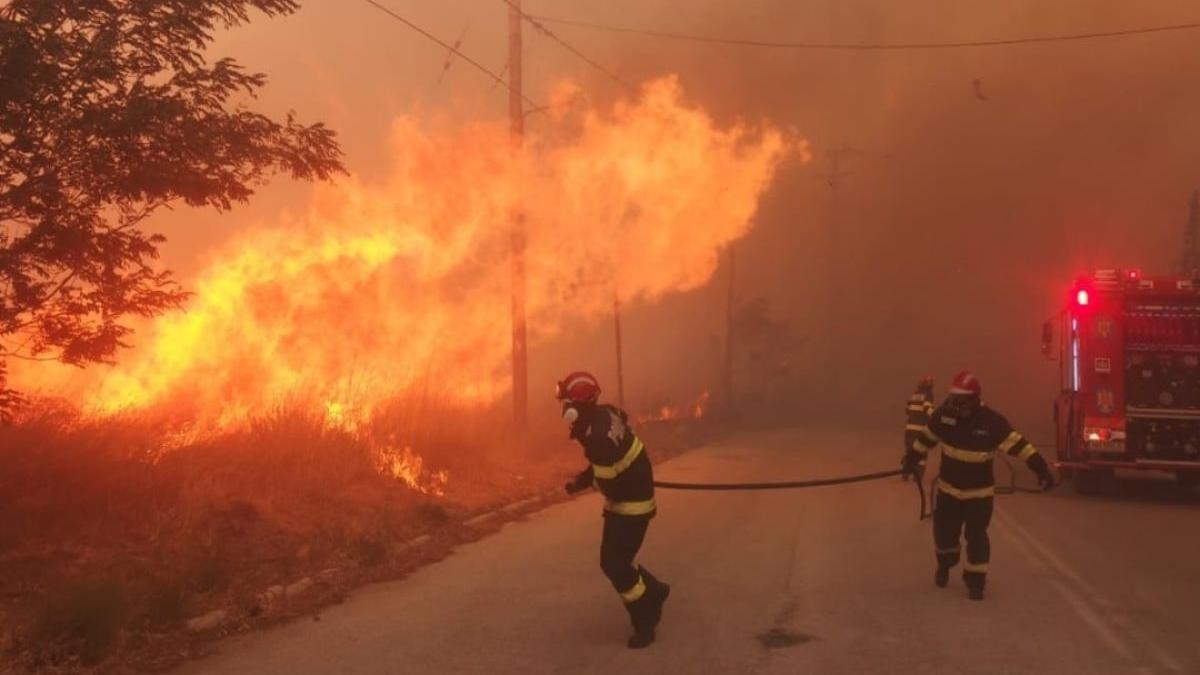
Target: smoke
[[954, 194], [971, 187]]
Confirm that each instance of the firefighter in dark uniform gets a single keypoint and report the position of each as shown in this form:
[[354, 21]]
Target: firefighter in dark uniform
[[969, 435], [620, 469], [918, 409]]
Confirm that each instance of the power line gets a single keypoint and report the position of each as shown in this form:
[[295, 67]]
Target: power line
[[452, 49], [864, 46], [450, 56], [533, 21]]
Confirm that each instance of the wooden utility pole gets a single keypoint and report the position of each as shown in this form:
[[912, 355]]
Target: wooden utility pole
[[516, 114], [620, 357]]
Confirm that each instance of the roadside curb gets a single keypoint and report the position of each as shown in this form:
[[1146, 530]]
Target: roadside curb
[[279, 595]]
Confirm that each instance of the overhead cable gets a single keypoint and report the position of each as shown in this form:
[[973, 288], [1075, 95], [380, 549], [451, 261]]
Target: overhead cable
[[863, 46], [541, 27], [452, 49]]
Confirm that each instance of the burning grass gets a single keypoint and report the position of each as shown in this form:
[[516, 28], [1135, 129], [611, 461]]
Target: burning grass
[[114, 531], [281, 425]]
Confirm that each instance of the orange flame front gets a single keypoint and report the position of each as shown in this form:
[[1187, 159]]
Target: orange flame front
[[696, 410], [382, 287]]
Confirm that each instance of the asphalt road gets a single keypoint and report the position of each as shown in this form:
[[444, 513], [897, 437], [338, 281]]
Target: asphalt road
[[826, 580]]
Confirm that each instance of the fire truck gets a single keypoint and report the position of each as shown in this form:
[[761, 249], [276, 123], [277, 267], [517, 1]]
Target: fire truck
[[1129, 350]]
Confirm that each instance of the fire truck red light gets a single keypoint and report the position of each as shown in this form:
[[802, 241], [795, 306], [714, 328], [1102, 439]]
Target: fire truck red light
[[1082, 298]]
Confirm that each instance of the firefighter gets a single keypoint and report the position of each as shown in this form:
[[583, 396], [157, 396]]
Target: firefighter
[[620, 469], [920, 405], [969, 434]]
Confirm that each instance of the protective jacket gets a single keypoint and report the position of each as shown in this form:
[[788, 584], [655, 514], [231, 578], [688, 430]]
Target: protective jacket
[[620, 467], [969, 447], [919, 406]]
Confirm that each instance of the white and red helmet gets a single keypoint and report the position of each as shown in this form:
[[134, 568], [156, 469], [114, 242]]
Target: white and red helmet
[[579, 387], [965, 384]]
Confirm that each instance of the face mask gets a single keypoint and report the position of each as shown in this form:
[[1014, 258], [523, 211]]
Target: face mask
[[962, 406], [570, 414]]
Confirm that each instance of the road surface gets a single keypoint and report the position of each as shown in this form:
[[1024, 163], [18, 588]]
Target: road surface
[[827, 580]]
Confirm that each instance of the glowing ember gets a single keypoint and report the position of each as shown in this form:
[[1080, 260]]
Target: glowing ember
[[696, 410], [700, 407], [381, 285]]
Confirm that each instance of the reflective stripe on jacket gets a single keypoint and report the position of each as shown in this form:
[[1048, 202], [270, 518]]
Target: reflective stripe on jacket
[[968, 450], [620, 466]]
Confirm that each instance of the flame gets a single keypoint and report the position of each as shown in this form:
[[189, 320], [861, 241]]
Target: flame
[[695, 411], [405, 465], [346, 417], [384, 287]]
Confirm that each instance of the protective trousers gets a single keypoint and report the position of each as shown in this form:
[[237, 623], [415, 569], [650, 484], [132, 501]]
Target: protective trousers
[[950, 517], [641, 591], [623, 536]]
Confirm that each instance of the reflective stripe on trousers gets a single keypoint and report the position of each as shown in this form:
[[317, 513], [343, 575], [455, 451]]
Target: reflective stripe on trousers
[[630, 508], [634, 594]]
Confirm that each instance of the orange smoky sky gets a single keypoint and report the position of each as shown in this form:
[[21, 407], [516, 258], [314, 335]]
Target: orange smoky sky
[[974, 185]]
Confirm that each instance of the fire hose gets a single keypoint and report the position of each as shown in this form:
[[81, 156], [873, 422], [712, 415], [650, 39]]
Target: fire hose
[[918, 478], [799, 484]]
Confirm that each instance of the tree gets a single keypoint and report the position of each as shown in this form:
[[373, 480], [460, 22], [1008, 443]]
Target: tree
[[109, 111], [768, 350]]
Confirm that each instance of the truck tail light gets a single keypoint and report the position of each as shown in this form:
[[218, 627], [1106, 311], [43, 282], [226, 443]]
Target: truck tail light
[[1104, 439]]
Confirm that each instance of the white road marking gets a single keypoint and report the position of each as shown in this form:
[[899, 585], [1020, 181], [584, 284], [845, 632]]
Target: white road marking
[[1078, 597], [1089, 616]]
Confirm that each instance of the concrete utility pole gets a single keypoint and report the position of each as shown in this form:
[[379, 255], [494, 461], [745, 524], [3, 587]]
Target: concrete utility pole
[[620, 356], [516, 114], [837, 276], [1189, 263]]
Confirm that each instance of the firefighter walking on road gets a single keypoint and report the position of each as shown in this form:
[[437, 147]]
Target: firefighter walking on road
[[621, 470], [919, 407], [969, 435]]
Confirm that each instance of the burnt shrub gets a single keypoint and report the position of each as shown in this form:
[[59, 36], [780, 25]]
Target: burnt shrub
[[83, 618]]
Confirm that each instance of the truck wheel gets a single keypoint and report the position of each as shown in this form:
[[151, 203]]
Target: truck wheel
[[1089, 481], [1187, 480]]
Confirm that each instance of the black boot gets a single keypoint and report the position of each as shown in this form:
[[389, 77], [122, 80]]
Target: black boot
[[975, 582], [942, 576], [657, 593], [643, 629]]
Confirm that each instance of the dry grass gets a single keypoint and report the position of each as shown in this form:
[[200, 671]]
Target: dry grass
[[109, 539]]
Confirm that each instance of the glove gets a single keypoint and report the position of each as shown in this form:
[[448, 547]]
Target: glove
[[579, 484], [909, 464], [1045, 478]]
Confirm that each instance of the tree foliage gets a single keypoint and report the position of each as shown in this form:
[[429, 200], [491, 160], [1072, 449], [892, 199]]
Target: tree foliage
[[767, 349], [109, 111]]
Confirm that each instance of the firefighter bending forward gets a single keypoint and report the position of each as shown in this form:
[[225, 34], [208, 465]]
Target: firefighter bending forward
[[620, 469], [920, 405], [969, 434]]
